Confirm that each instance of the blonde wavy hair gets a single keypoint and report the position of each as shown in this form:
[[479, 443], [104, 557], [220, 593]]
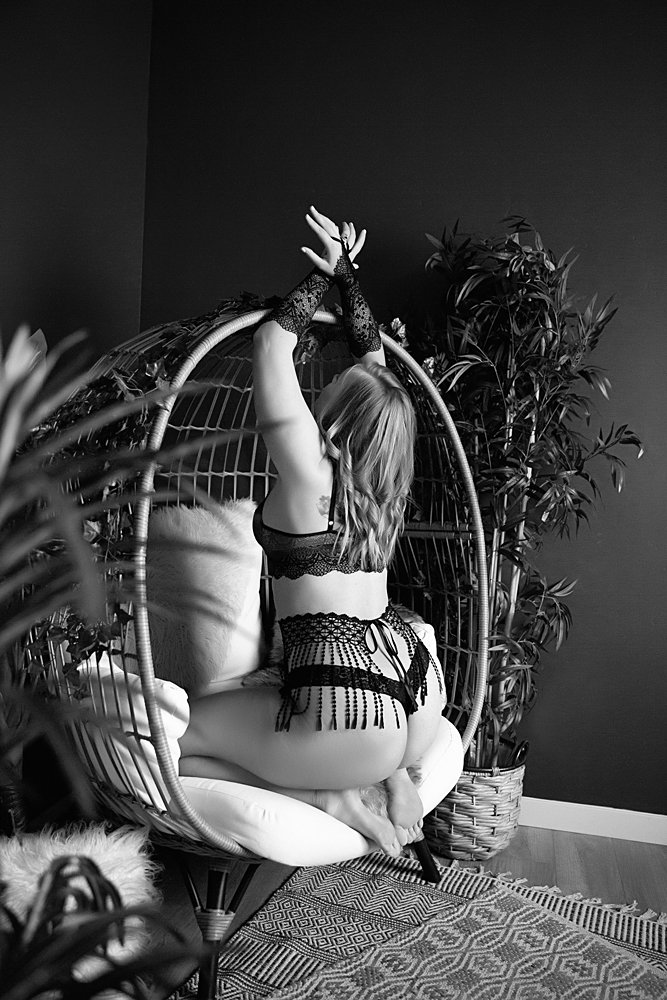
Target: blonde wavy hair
[[369, 429]]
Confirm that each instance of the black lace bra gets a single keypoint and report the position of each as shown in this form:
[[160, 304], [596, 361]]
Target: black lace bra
[[293, 556]]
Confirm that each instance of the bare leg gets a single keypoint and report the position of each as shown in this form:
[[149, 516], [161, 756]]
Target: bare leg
[[239, 726], [325, 768], [404, 804], [345, 805], [232, 735]]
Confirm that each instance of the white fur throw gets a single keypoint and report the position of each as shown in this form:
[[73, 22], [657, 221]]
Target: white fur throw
[[119, 854], [203, 579]]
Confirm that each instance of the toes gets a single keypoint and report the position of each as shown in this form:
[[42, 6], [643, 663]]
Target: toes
[[410, 833], [384, 834], [402, 835], [394, 849]]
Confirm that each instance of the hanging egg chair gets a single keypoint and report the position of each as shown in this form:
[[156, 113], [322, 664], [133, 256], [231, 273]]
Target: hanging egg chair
[[439, 574]]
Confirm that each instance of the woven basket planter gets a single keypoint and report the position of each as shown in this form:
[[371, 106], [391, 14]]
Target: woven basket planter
[[479, 816]]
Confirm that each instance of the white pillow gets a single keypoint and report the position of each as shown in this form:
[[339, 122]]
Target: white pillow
[[118, 749], [203, 570], [290, 832], [272, 825]]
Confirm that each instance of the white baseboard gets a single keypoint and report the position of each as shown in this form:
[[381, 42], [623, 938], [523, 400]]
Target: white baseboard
[[599, 821]]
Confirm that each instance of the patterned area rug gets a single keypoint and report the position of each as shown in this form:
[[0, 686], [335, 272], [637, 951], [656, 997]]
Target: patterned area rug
[[372, 930]]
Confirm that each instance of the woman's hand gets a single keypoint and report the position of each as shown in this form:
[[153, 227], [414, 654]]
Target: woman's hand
[[330, 234]]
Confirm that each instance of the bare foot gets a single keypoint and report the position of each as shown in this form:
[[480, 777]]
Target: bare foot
[[348, 807], [404, 807]]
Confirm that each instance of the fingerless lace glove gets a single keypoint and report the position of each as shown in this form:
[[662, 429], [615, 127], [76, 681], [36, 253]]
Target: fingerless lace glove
[[297, 308], [359, 324]]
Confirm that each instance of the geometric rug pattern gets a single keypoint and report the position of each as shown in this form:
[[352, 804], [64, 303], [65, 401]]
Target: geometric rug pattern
[[371, 929]]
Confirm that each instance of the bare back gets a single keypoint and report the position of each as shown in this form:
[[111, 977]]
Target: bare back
[[305, 511]]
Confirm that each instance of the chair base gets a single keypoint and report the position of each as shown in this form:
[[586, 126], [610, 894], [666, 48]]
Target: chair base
[[426, 860], [214, 917]]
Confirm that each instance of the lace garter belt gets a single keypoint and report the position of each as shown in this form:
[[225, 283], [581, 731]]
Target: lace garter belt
[[327, 650]]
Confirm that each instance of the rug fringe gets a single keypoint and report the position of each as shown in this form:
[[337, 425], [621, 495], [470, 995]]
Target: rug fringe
[[508, 878]]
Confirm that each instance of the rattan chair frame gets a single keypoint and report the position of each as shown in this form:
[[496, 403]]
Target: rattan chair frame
[[181, 826], [203, 829]]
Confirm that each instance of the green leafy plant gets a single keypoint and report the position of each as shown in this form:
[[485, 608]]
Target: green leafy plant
[[71, 448], [62, 946], [510, 352]]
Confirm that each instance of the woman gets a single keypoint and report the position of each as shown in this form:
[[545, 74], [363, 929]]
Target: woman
[[361, 697]]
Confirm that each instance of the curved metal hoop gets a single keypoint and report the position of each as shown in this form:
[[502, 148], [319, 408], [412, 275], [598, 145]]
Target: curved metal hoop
[[142, 512]]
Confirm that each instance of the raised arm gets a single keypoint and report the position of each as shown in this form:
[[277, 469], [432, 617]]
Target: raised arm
[[361, 329], [288, 427]]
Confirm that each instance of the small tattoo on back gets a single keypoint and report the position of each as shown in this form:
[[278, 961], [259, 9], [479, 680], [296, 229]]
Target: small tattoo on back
[[323, 505]]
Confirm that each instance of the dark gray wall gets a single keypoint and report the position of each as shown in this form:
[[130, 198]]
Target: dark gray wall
[[73, 110], [73, 118], [408, 116]]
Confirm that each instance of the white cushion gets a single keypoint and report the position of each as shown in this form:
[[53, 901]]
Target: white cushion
[[203, 570], [120, 751], [272, 825], [291, 832]]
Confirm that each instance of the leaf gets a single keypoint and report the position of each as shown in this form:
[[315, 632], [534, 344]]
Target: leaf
[[458, 369], [562, 588], [435, 241], [595, 378], [468, 286], [617, 473], [629, 437], [109, 415]]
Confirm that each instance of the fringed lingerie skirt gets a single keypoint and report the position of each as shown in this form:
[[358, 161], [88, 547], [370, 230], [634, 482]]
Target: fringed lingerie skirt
[[325, 651]]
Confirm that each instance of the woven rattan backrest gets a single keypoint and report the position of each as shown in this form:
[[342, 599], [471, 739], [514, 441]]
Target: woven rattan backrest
[[440, 567], [444, 539]]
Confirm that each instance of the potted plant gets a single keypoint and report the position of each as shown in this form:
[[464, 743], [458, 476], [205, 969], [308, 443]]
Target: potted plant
[[510, 352], [51, 494], [73, 939]]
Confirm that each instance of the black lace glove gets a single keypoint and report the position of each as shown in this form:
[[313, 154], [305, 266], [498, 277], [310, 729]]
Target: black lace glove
[[296, 310], [360, 326]]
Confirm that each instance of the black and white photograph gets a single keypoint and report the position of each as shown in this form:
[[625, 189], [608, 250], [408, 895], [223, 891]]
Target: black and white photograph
[[333, 465]]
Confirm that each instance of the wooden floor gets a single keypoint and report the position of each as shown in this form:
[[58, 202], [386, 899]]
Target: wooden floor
[[615, 871]]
